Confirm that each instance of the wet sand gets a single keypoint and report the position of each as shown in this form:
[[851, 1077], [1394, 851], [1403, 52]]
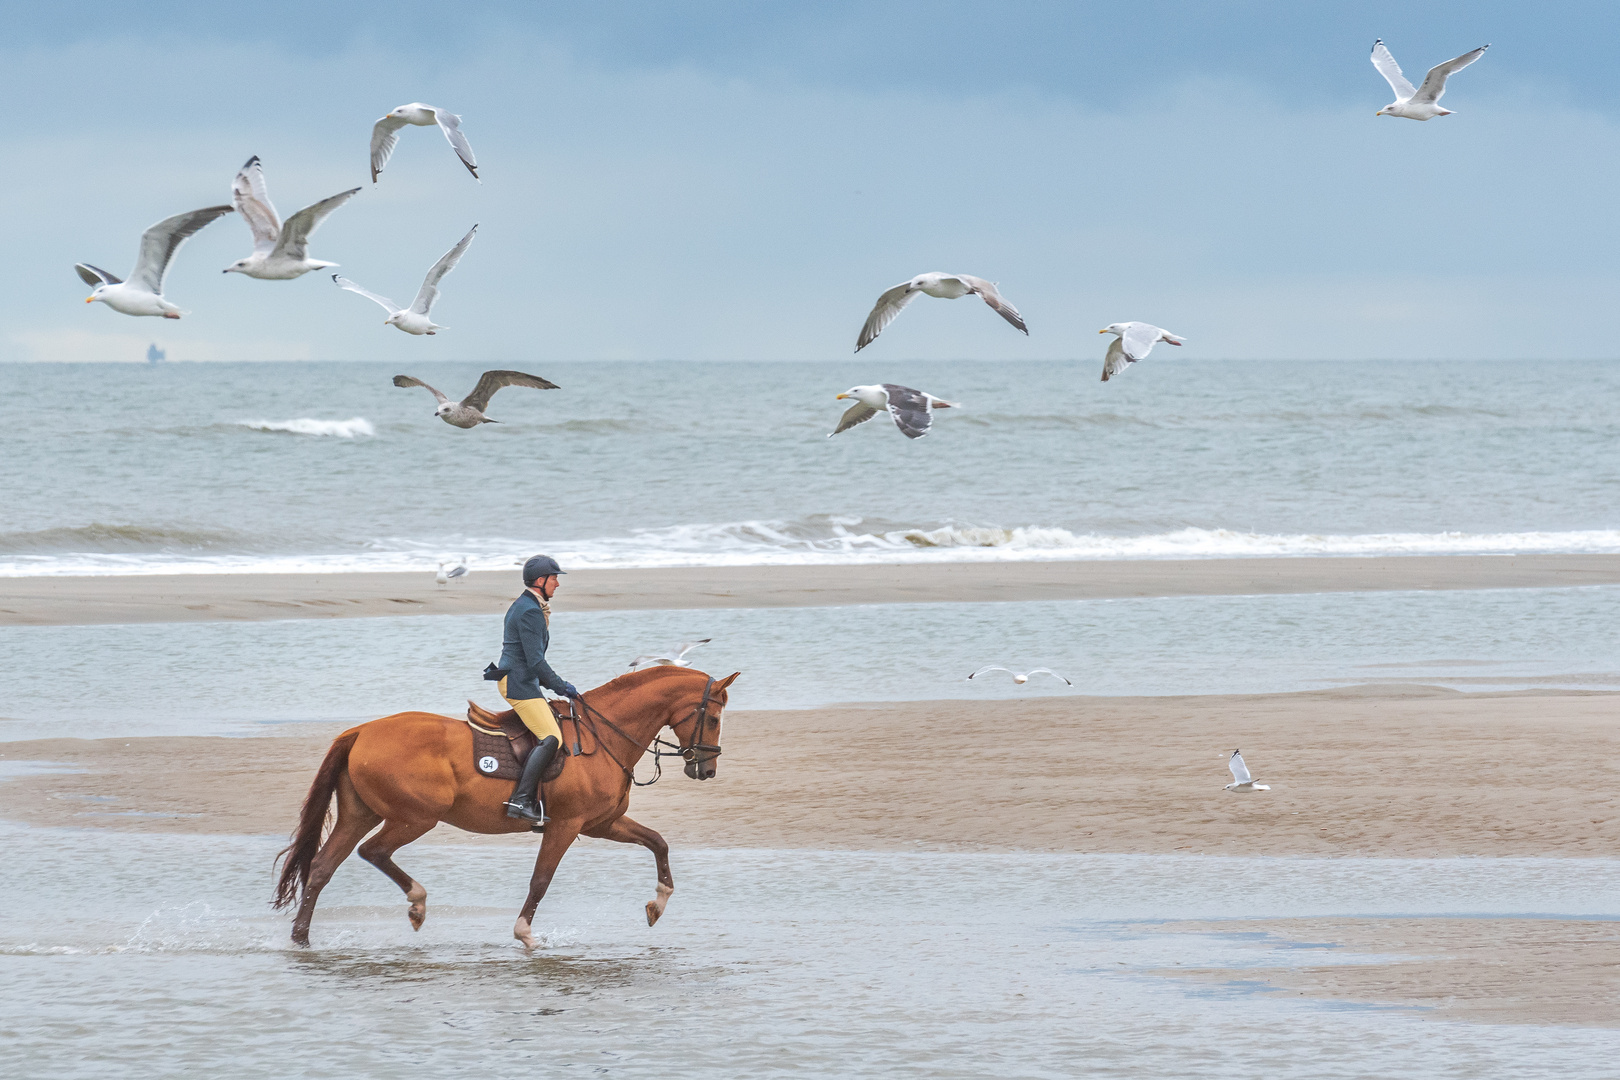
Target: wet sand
[[1492, 971], [42, 601], [1373, 771]]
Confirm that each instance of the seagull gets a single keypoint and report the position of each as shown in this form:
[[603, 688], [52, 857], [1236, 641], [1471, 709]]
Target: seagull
[[1020, 677], [1240, 775], [414, 320], [469, 411], [944, 286], [678, 660], [385, 134], [1133, 342], [459, 570], [142, 294], [1424, 102], [278, 247], [911, 409]]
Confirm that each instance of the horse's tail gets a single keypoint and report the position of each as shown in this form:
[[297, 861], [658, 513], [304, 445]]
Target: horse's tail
[[296, 857]]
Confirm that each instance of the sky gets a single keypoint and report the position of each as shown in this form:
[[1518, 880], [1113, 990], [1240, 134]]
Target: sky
[[739, 181]]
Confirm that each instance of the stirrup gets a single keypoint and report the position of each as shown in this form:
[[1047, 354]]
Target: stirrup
[[530, 810]]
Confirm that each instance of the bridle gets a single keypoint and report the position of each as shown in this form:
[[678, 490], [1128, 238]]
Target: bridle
[[696, 752]]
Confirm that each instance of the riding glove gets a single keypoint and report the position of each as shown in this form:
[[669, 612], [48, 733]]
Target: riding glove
[[569, 690]]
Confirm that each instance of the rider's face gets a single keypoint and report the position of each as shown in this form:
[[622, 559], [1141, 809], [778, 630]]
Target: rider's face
[[547, 586]]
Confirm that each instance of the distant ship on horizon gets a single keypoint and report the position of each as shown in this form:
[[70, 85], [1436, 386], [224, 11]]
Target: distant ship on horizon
[[154, 354]]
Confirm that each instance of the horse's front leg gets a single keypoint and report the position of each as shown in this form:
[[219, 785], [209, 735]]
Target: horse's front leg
[[558, 836], [627, 831]]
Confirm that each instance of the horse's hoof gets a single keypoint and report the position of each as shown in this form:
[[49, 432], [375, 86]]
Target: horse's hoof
[[524, 934], [652, 912], [417, 912], [655, 908]]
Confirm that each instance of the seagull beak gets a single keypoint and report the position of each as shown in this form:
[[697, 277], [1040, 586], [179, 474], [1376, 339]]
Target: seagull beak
[[840, 397], [1102, 331], [89, 299]]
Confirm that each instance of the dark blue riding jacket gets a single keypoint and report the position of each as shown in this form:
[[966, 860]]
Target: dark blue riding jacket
[[523, 651]]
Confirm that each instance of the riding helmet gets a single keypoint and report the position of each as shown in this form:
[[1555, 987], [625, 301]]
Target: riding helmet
[[538, 567]]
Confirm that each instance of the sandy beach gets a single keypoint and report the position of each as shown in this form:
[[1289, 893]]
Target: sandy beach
[[1375, 771], [68, 600]]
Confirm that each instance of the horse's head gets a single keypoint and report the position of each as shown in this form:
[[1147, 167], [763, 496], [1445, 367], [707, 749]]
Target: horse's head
[[699, 729]]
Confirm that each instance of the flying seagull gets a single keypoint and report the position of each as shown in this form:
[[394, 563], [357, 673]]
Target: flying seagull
[[385, 134], [279, 248], [1020, 677], [1424, 102], [142, 294], [944, 286], [414, 320], [1133, 341], [469, 411], [1242, 781], [912, 409], [678, 660]]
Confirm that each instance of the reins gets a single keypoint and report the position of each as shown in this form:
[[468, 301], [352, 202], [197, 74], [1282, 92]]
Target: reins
[[660, 747]]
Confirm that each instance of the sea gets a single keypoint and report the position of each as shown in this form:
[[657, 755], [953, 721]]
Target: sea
[[173, 468], [135, 955]]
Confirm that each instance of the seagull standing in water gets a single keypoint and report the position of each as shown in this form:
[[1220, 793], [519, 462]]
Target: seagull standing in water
[[944, 286], [1132, 342], [1241, 780], [142, 294], [414, 320], [280, 249], [1020, 677], [913, 410], [385, 134], [469, 411], [678, 660], [1422, 103]]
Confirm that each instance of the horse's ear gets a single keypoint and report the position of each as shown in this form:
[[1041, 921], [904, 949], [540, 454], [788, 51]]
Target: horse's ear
[[727, 681]]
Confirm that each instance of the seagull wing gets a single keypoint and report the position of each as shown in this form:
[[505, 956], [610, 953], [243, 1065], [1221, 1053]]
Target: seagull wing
[[161, 241], [910, 410], [345, 283], [457, 571], [410, 380], [294, 240], [1391, 71], [638, 661], [450, 124], [252, 199], [384, 137], [858, 413], [992, 667], [1048, 671], [1240, 771], [1434, 83], [1116, 361], [430, 284], [887, 307], [986, 291], [688, 646], [1139, 339], [95, 275], [492, 381]]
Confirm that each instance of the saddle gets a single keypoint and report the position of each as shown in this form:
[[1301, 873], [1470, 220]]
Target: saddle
[[501, 744]]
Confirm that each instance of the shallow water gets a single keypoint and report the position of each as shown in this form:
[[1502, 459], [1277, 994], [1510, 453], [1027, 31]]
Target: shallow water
[[328, 465], [156, 956], [218, 678]]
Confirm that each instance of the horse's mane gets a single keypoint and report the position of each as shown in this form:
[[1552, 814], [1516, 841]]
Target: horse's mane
[[632, 679]]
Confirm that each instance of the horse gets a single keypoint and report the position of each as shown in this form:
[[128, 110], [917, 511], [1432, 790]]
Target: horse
[[412, 770]]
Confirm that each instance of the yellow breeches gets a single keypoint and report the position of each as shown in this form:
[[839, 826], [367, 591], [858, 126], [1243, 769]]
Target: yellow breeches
[[535, 714]]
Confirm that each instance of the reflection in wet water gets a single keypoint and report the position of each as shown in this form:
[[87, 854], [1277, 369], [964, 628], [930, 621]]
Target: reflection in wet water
[[138, 955]]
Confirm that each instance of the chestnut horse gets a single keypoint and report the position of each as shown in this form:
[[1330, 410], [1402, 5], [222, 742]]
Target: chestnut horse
[[412, 770]]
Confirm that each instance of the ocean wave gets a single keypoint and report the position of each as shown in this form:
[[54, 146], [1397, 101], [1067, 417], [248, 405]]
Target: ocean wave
[[824, 539], [342, 429]]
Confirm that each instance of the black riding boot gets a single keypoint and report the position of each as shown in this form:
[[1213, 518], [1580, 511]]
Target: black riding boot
[[524, 803]]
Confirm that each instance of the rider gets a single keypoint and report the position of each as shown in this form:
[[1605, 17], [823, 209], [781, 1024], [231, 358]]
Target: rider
[[523, 671]]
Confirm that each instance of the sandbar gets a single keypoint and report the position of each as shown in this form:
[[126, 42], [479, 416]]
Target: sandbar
[[72, 600], [1389, 770]]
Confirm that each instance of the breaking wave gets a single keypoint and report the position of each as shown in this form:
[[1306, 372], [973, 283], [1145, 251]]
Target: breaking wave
[[823, 539], [342, 429]]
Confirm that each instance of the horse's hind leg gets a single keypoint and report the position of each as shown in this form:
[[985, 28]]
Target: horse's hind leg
[[379, 851], [626, 831], [354, 820]]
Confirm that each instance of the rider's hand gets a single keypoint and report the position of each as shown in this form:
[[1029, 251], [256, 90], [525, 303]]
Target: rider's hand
[[569, 690]]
